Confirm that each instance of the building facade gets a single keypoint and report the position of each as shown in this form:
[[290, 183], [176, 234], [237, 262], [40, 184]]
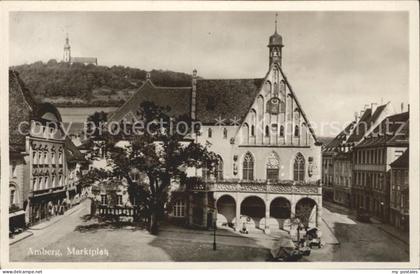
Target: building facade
[[399, 193], [44, 167], [338, 154], [269, 156], [372, 159]]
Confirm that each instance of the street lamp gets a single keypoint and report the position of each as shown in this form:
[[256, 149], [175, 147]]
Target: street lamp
[[214, 234]]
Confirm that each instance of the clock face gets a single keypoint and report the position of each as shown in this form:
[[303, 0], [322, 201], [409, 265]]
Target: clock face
[[273, 106]]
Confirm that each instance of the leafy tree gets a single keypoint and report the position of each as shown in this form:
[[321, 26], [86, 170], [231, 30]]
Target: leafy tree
[[160, 154]]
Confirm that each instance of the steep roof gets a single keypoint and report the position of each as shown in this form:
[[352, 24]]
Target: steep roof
[[74, 128], [22, 108], [365, 123], [341, 138], [178, 99], [227, 98], [84, 60], [392, 131], [402, 161]]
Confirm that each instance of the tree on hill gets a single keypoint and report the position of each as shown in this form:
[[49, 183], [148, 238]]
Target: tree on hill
[[59, 79]]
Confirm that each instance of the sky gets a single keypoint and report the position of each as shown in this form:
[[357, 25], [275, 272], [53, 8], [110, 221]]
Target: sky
[[336, 62]]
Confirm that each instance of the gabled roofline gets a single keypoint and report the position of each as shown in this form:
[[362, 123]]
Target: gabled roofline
[[249, 108], [148, 81], [300, 107]]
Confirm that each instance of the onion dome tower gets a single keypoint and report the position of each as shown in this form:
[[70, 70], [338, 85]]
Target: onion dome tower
[[275, 45]]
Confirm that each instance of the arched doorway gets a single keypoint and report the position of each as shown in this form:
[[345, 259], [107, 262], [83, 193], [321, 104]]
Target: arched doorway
[[226, 211], [280, 210], [253, 210], [306, 211]]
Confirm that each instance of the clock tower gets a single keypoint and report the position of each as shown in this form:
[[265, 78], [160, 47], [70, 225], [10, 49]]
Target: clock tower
[[275, 44]]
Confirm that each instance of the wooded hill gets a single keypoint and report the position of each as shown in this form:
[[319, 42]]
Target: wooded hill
[[89, 85]]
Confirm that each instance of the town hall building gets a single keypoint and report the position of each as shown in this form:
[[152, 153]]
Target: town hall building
[[269, 166]]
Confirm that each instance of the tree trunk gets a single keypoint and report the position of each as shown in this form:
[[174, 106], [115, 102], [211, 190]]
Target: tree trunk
[[92, 208], [154, 224], [154, 218]]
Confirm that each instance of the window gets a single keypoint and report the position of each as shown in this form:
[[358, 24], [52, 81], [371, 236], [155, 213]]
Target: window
[[40, 183], [248, 167], [40, 158], [252, 130], [219, 171], [45, 157], [53, 181], [299, 168], [206, 172], [13, 169], [267, 131], [35, 184], [135, 176], [60, 158], [179, 208], [297, 131], [119, 200], [281, 131], [209, 132], [225, 133], [34, 158], [274, 128], [12, 195], [104, 200], [273, 167]]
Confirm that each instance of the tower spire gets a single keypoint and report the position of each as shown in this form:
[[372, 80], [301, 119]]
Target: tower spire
[[67, 50], [275, 23]]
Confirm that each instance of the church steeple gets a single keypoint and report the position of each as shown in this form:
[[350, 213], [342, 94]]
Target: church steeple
[[275, 45], [67, 51]]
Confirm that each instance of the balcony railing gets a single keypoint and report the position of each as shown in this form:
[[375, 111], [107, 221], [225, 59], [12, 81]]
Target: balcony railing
[[264, 186]]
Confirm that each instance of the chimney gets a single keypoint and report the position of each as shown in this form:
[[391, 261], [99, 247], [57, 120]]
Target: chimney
[[356, 116], [408, 107], [373, 107], [402, 107], [147, 76], [362, 112], [366, 106], [193, 94]]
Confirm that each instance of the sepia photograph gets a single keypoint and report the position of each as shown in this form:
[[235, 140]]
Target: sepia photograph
[[266, 136]]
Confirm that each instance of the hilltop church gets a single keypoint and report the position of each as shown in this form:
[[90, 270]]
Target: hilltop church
[[269, 157], [81, 60]]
